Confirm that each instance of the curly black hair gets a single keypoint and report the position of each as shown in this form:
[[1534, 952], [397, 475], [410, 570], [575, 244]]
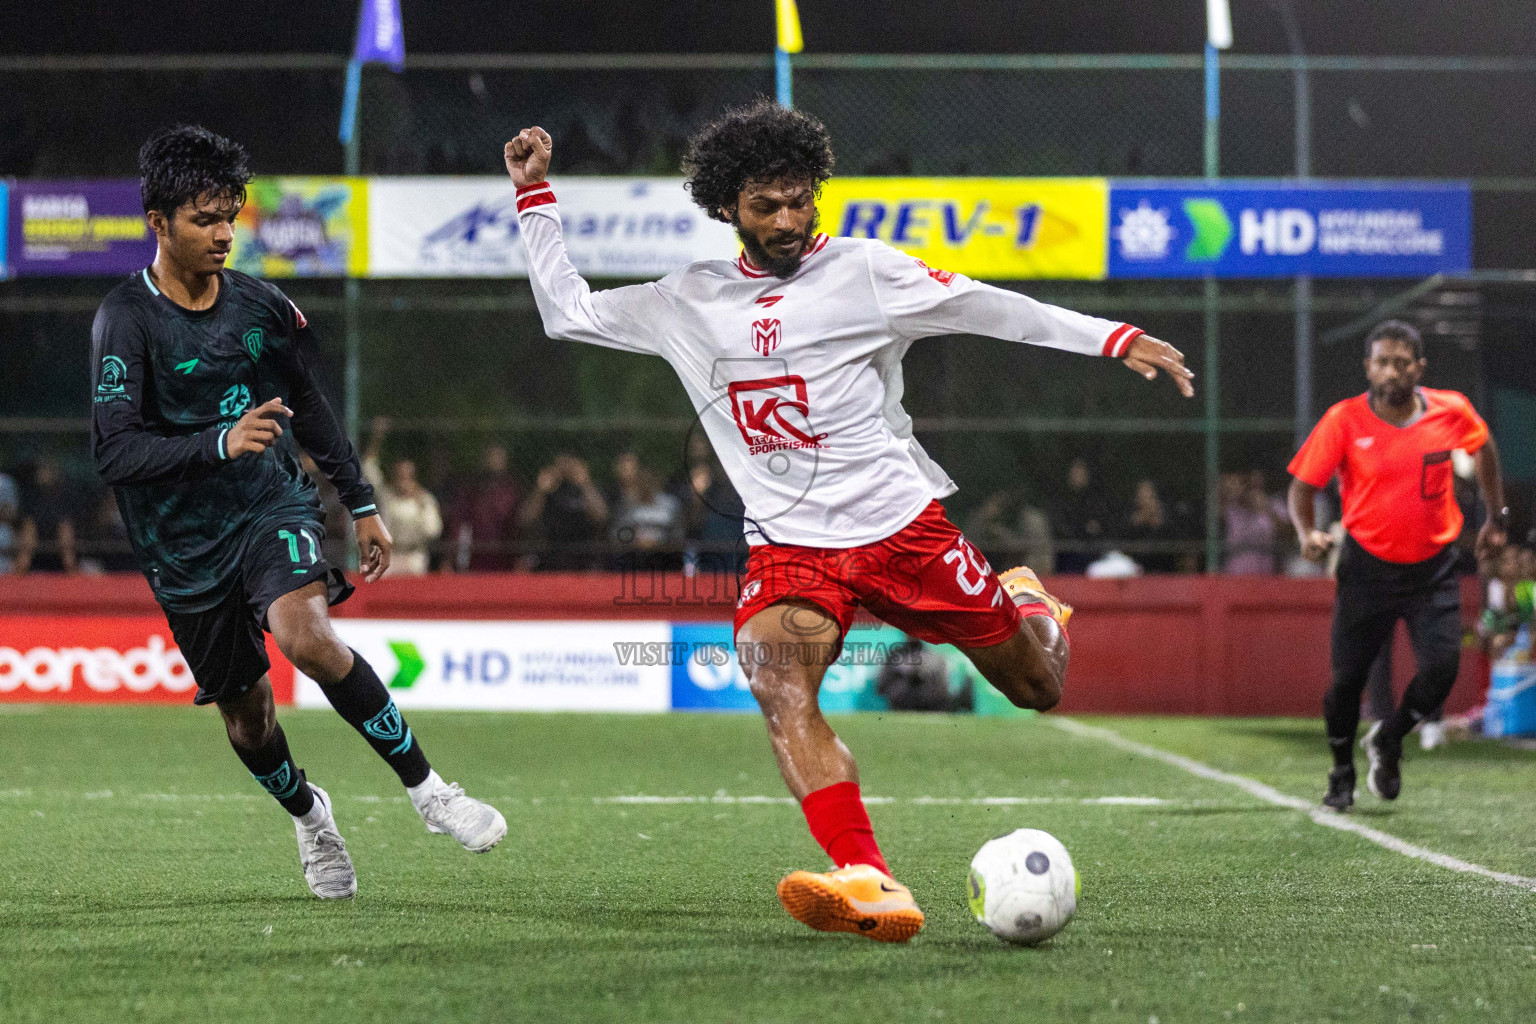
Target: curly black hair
[[761, 141], [182, 164]]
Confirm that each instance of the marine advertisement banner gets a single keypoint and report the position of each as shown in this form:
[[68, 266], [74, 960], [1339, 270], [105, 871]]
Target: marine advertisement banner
[[1280, 229], [77, 229], [302, 227], [985, 228], [467, 227]]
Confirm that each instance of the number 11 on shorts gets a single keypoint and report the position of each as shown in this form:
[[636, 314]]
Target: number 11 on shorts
[[293, 547]]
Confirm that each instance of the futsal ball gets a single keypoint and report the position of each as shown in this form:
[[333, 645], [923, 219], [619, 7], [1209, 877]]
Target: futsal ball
[[1023, 886]]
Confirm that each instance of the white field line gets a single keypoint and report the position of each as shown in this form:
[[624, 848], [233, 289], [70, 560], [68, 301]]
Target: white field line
[[915, 801], [1268, 794]]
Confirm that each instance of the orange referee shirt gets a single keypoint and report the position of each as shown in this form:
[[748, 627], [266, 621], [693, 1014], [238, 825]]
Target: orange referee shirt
[[1399, 502]]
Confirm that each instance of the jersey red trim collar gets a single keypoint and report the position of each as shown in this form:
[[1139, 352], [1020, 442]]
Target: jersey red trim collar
[[817, 244], [1119, 341]]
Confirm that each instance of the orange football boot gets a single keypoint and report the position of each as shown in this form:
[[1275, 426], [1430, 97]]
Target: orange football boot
[[859, 898], [1021, 584]]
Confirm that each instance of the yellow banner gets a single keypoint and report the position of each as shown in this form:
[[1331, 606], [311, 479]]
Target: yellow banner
[[303, 227], [988, 228]]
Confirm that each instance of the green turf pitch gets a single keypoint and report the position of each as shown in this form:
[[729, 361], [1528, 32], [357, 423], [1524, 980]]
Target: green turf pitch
[[144, 877]]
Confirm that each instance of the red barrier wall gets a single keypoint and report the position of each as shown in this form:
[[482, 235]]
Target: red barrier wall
[[1165, 645]]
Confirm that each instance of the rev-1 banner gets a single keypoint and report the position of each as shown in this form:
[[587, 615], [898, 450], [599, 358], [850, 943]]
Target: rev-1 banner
[[1280, 229]]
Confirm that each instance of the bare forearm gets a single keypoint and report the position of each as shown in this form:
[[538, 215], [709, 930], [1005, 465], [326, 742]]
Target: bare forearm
[[1490, 480], [1302, 500]]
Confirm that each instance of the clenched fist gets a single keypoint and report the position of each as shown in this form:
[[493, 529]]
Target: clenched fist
[[527, 156]]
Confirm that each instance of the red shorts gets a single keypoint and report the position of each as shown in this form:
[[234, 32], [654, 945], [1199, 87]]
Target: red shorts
[[926, 580]]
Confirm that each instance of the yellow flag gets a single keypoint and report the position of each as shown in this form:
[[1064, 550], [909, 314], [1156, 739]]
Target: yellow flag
[[789, 26]]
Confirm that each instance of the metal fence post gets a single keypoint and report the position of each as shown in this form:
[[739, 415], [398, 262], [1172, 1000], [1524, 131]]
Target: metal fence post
[[1211, 369]]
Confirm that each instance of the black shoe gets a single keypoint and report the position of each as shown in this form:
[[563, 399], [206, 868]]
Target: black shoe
[[1385, 776], [1341, 788]]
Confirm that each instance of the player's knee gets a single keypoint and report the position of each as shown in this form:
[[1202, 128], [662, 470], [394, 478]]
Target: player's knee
[[251, 729], [314, 649]]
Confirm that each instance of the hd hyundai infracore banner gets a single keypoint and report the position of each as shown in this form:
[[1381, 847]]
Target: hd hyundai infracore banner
[[1281, 229]]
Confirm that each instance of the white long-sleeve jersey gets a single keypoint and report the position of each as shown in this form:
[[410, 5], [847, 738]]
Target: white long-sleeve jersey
[[797, 381]]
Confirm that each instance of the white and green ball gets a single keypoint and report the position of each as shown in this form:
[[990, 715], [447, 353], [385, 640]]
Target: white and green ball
[[1023, 886]]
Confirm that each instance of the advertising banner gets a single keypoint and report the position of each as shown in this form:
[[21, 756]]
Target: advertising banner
[[103, 660], [5, 209], [707, 676], [467, 227], [1328, 229], [77, 229], [509, 666], [303, 227], [987, 228]]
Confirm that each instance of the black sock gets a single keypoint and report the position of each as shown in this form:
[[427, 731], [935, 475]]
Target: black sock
[[1343, 750], [273, 767], [360, 698]]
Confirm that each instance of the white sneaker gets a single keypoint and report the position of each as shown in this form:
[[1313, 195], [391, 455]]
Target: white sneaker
[[1432, 735], [444, 807], [323, 855]]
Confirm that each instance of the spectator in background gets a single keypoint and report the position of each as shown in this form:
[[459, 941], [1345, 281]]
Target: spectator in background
[[334, 516], [647, 522], [1082, 519], [103, 542], [1253, 523], [482, 522], [569, 514], [10, 508], [46, 539], [410, 511], [1034, 531], [987, 528], [1150, 522], [712, 511]]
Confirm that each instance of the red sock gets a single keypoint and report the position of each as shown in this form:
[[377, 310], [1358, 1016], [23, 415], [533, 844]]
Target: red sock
[[839, 823]]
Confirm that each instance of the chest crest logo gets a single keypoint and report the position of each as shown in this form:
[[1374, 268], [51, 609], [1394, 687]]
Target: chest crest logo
[[1364, 442], [766, 335], [253, 339], [235, 401]]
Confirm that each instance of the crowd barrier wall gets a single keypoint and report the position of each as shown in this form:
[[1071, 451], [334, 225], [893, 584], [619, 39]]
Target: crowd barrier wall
[[1197, 645]]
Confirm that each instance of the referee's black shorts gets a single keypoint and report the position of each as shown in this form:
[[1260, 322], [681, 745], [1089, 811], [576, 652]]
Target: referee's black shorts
[[1372, 595]]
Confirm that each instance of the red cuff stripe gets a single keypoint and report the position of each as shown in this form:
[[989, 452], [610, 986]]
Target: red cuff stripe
[[1119, 341], [524, 189], [533, 199]]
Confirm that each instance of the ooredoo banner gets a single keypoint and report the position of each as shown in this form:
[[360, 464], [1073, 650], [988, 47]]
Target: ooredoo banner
[[509, 666], [102, 660], [467, 227], [1327, 229], [77, 228], [988, 228], [303, 227]]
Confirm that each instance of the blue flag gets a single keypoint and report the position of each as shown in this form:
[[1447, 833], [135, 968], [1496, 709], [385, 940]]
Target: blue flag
[[380, 36]]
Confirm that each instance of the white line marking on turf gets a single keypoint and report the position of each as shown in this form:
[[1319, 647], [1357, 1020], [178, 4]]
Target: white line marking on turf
[[1327, 819], [916, 801]]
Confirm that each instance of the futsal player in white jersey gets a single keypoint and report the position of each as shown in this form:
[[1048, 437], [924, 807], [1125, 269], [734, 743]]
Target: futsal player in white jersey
[[791, 355]]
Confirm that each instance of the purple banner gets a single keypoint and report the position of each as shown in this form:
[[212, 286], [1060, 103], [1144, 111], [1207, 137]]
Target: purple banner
[[77, 228], [380, 36]]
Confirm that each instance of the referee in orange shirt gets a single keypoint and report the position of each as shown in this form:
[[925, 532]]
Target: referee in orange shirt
[[1392, 450]]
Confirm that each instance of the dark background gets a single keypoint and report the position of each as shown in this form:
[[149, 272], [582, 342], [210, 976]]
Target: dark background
[[1464, 27]]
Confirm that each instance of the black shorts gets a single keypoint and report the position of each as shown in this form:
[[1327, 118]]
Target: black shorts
[[224, 645]]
